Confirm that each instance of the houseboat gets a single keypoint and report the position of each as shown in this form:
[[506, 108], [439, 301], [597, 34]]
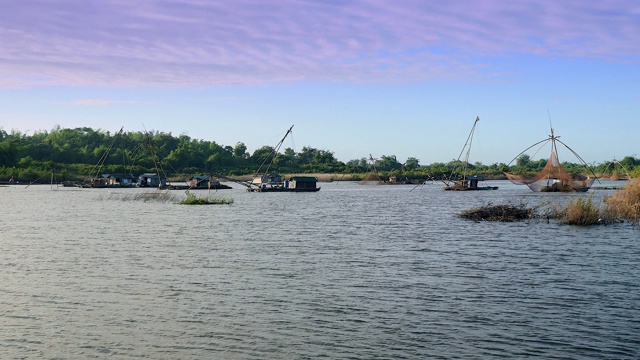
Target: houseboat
[[200, 182], [275, 183], [152, 180], [266, 181]]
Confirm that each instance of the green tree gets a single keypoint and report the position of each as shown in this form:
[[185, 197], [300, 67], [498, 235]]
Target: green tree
[[523, 160], [240, 150], [8, 151], [261, 155], [412, 163], [388, 163]]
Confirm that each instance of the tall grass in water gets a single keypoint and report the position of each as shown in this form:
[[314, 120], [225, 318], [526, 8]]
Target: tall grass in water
[[625, 203], [580, 211], [192, 199], [152, 196], [167, 197]]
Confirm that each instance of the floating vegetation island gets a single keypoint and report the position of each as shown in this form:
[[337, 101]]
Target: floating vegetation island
[[503, 213]]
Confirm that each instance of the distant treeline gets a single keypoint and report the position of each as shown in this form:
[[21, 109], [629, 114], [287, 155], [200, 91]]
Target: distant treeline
[[75, 153]]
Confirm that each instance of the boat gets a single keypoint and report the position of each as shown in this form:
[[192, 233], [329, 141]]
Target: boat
[[465, 182], [152, 180], [553, 177], [275, 183], [200, 182], [266, 181], [108, 180], [157, 179]]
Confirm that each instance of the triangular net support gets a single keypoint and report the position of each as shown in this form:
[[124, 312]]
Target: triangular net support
[[553, 178], [372, 177]]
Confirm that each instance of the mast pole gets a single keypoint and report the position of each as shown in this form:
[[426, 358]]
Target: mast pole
[[159, 169], [273, 153], [470, 139], [467, 145]]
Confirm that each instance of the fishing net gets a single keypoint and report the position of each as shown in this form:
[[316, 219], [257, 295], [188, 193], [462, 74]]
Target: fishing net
[[553, 178], [371, 179]]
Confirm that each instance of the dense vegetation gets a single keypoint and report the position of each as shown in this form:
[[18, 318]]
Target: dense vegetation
[[74, 153]]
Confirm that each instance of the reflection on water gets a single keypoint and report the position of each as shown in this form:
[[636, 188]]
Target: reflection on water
[[351, 271]]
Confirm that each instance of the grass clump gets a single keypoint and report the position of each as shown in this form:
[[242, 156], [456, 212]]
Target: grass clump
[[503, 213], [192, 199], [621, 206], [625, 203], [580, 211]]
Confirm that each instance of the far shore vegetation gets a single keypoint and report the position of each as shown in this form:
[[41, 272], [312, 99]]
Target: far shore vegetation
[[72, 155]]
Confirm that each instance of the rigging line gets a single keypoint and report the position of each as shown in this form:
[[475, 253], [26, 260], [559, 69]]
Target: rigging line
[[422, 184], [554, 148], [103, 158], [47, 174], [52, 178], [157, 164], [580, 158], [171, 166], [615, 162], [273, 154], [293, 143], [537, 151], [124, 159], [435, 182], [413, 188], [523, 151], [135, 154], [373, 164], [127, 160], [470, 139], [467, 146]]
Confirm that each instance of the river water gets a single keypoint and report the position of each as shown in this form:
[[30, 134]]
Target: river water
[[351, 271]]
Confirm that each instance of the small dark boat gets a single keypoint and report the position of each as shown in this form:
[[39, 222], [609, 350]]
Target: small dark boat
[[466, 182]]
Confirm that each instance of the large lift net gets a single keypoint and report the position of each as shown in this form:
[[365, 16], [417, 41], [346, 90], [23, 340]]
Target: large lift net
[[553, 177]]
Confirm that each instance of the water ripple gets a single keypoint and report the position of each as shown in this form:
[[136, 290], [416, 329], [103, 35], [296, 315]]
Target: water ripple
[[348, 272]]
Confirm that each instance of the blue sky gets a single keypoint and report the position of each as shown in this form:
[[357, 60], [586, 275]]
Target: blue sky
[[404, 78]]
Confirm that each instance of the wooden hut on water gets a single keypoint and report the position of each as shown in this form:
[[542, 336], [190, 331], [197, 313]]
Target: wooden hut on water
[[152, 180]]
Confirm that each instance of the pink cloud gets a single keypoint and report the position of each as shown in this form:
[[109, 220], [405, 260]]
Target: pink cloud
[[203, 43], [96, 102]]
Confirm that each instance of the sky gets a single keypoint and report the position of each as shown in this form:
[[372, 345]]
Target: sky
[[397, 78]]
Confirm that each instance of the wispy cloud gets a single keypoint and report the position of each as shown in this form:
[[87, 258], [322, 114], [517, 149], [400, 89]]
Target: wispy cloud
[[95, 102], [231, 98], [249, 42]]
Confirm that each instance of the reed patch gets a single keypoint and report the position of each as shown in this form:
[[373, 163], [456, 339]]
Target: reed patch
[[168, 197], [580, 211], [625, 203]]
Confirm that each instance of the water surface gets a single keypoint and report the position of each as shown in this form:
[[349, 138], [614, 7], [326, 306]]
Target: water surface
[[351, 271]]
